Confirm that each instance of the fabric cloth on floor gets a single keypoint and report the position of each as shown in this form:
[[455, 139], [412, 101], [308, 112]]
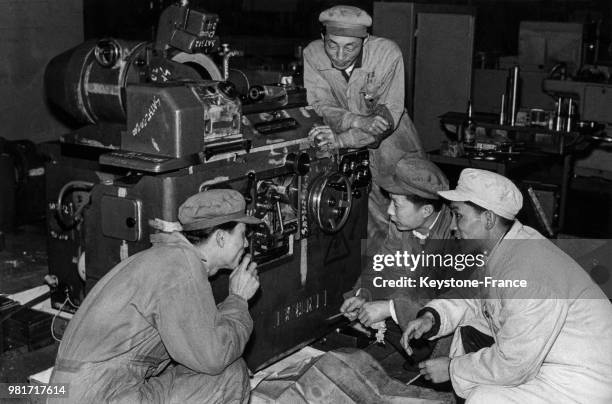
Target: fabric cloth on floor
[[342, 376]]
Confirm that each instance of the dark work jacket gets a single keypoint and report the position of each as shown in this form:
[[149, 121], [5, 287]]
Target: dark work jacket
[[408, 301]]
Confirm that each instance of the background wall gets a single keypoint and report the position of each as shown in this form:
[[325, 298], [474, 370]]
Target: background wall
[[32, 31], [496, 23]]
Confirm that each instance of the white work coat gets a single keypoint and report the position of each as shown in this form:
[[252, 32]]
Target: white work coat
[[553, 339]]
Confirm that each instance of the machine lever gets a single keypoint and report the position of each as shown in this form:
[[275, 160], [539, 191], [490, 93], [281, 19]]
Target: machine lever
[[227, 148], [248, 195], [280, 217]]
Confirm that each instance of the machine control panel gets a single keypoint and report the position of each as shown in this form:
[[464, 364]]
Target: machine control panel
[[314, 196]]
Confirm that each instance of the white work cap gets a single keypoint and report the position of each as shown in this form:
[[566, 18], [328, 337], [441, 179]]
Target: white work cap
[[489, 190], [346, 21]]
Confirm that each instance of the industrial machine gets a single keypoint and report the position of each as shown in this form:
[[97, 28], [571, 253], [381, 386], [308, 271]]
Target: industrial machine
[[590, 99], [160, 124]]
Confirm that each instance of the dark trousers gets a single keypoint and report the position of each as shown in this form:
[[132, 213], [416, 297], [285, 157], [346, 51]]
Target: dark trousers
[[473, 341], [422, 349]]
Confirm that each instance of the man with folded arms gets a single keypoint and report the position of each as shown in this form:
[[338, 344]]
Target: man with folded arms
[[355, 81]]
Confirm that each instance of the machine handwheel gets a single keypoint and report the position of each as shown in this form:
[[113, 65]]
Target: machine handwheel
[[330, 200]]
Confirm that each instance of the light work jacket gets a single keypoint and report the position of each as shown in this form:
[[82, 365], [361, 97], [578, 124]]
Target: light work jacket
[[555, 336], [154, 307], [375, 87]]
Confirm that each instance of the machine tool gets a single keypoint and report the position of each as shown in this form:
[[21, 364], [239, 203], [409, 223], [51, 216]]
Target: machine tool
[[160, 125]]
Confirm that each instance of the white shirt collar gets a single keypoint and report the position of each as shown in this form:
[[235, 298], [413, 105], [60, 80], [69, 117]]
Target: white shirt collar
[[422, 236], [349, 69]]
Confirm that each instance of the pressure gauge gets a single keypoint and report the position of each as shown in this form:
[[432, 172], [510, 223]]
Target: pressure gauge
[[107, 52]]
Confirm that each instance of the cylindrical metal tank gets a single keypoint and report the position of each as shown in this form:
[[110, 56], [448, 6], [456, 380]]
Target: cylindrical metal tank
[[88, 81], [78, 83]]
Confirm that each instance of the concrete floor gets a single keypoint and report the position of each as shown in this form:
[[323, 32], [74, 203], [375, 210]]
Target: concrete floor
[[23, 265]]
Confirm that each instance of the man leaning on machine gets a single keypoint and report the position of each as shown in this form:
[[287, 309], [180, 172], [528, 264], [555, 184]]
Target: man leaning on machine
[[355, 81]]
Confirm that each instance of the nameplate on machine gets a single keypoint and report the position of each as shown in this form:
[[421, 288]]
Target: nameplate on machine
[[299, 308], [147, 162], [276, 125]]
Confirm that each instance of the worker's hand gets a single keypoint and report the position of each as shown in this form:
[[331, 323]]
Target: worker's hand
[[374, 124], [322, 137], [437, 370], [351, 307], [415, 329], [244, 281], [373, 312]]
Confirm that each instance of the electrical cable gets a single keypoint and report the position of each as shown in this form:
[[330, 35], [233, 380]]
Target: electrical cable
[[57, 314], [70, 301], [248, 84]]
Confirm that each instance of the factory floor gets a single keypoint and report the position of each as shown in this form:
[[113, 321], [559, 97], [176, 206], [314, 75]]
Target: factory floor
[[23, 266]]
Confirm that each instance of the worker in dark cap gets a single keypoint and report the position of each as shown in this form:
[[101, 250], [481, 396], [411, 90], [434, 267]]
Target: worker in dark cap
[[355, 81], [150, 331], [425, 223]]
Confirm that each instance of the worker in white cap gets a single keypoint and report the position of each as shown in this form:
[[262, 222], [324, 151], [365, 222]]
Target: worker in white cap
[[549, 339], [355, 81]]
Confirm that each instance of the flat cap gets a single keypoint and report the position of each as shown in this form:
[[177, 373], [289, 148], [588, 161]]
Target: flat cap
[[415, 176], [346, 21], [488, 190], [214, 207]]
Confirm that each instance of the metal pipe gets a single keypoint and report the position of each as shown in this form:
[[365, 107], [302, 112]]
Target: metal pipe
[[514, 101], [570, 115], [502, 113], [226, 57], [558, 121]]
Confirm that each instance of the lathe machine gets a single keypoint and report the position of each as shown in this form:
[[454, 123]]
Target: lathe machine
[[157, 124]]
